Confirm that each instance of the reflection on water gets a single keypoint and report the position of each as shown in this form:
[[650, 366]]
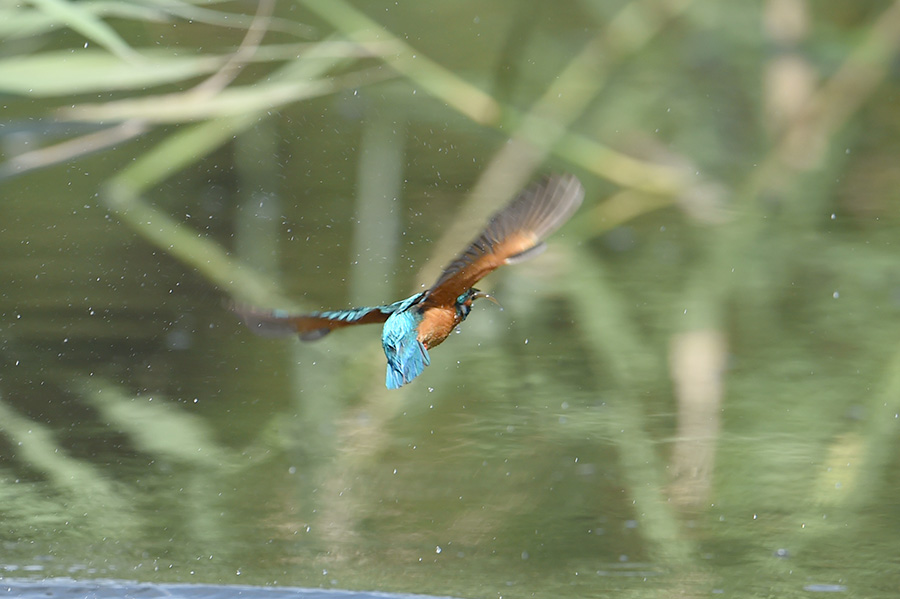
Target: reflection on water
[[693, 392], [229, 475]]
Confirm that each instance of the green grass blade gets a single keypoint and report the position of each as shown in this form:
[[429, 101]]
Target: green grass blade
[[79, 19], [84, 71]]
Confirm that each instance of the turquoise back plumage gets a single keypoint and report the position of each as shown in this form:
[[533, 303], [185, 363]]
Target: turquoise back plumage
[[406, 356]]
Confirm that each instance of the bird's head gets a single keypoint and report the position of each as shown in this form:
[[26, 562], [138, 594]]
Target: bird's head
[[464, 301]]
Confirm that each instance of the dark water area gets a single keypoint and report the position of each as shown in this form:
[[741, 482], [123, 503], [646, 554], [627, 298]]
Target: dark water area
[[692, 392], [63, 588]]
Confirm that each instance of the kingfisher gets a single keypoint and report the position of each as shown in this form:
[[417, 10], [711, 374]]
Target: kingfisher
[[421, 322]]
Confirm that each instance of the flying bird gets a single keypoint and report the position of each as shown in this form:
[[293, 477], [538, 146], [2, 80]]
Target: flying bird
[[421, 322]]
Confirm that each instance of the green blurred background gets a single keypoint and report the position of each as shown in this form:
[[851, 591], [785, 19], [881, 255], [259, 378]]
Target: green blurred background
[[695, 391]]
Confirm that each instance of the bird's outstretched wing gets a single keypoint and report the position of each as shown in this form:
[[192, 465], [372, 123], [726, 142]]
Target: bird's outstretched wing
[[312, 326], [513, 234]]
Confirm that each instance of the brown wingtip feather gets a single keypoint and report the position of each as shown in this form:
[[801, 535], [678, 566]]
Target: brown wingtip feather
[[513, 234], [540, 209], [265, 323]]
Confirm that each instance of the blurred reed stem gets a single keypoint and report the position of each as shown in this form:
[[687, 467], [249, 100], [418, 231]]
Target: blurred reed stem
[[169, 435], [880, 437], [608, 333], [544, 129], [379, 208], [153, 425], [191, 248], [77, 17], [730, 246], [259, 206], [361, 434], [187, 146], [82, 483], [435, 79], [547, 128]]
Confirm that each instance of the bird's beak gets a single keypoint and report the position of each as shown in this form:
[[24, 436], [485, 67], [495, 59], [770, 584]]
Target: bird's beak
[[487, 296]]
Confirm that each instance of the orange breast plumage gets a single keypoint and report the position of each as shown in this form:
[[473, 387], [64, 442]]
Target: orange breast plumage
[[437, 324]]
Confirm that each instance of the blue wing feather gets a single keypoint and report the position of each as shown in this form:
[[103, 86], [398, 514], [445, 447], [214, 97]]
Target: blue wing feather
[[312, 326]]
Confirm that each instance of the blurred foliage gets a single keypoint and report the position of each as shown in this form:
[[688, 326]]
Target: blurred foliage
[[696, 388]]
